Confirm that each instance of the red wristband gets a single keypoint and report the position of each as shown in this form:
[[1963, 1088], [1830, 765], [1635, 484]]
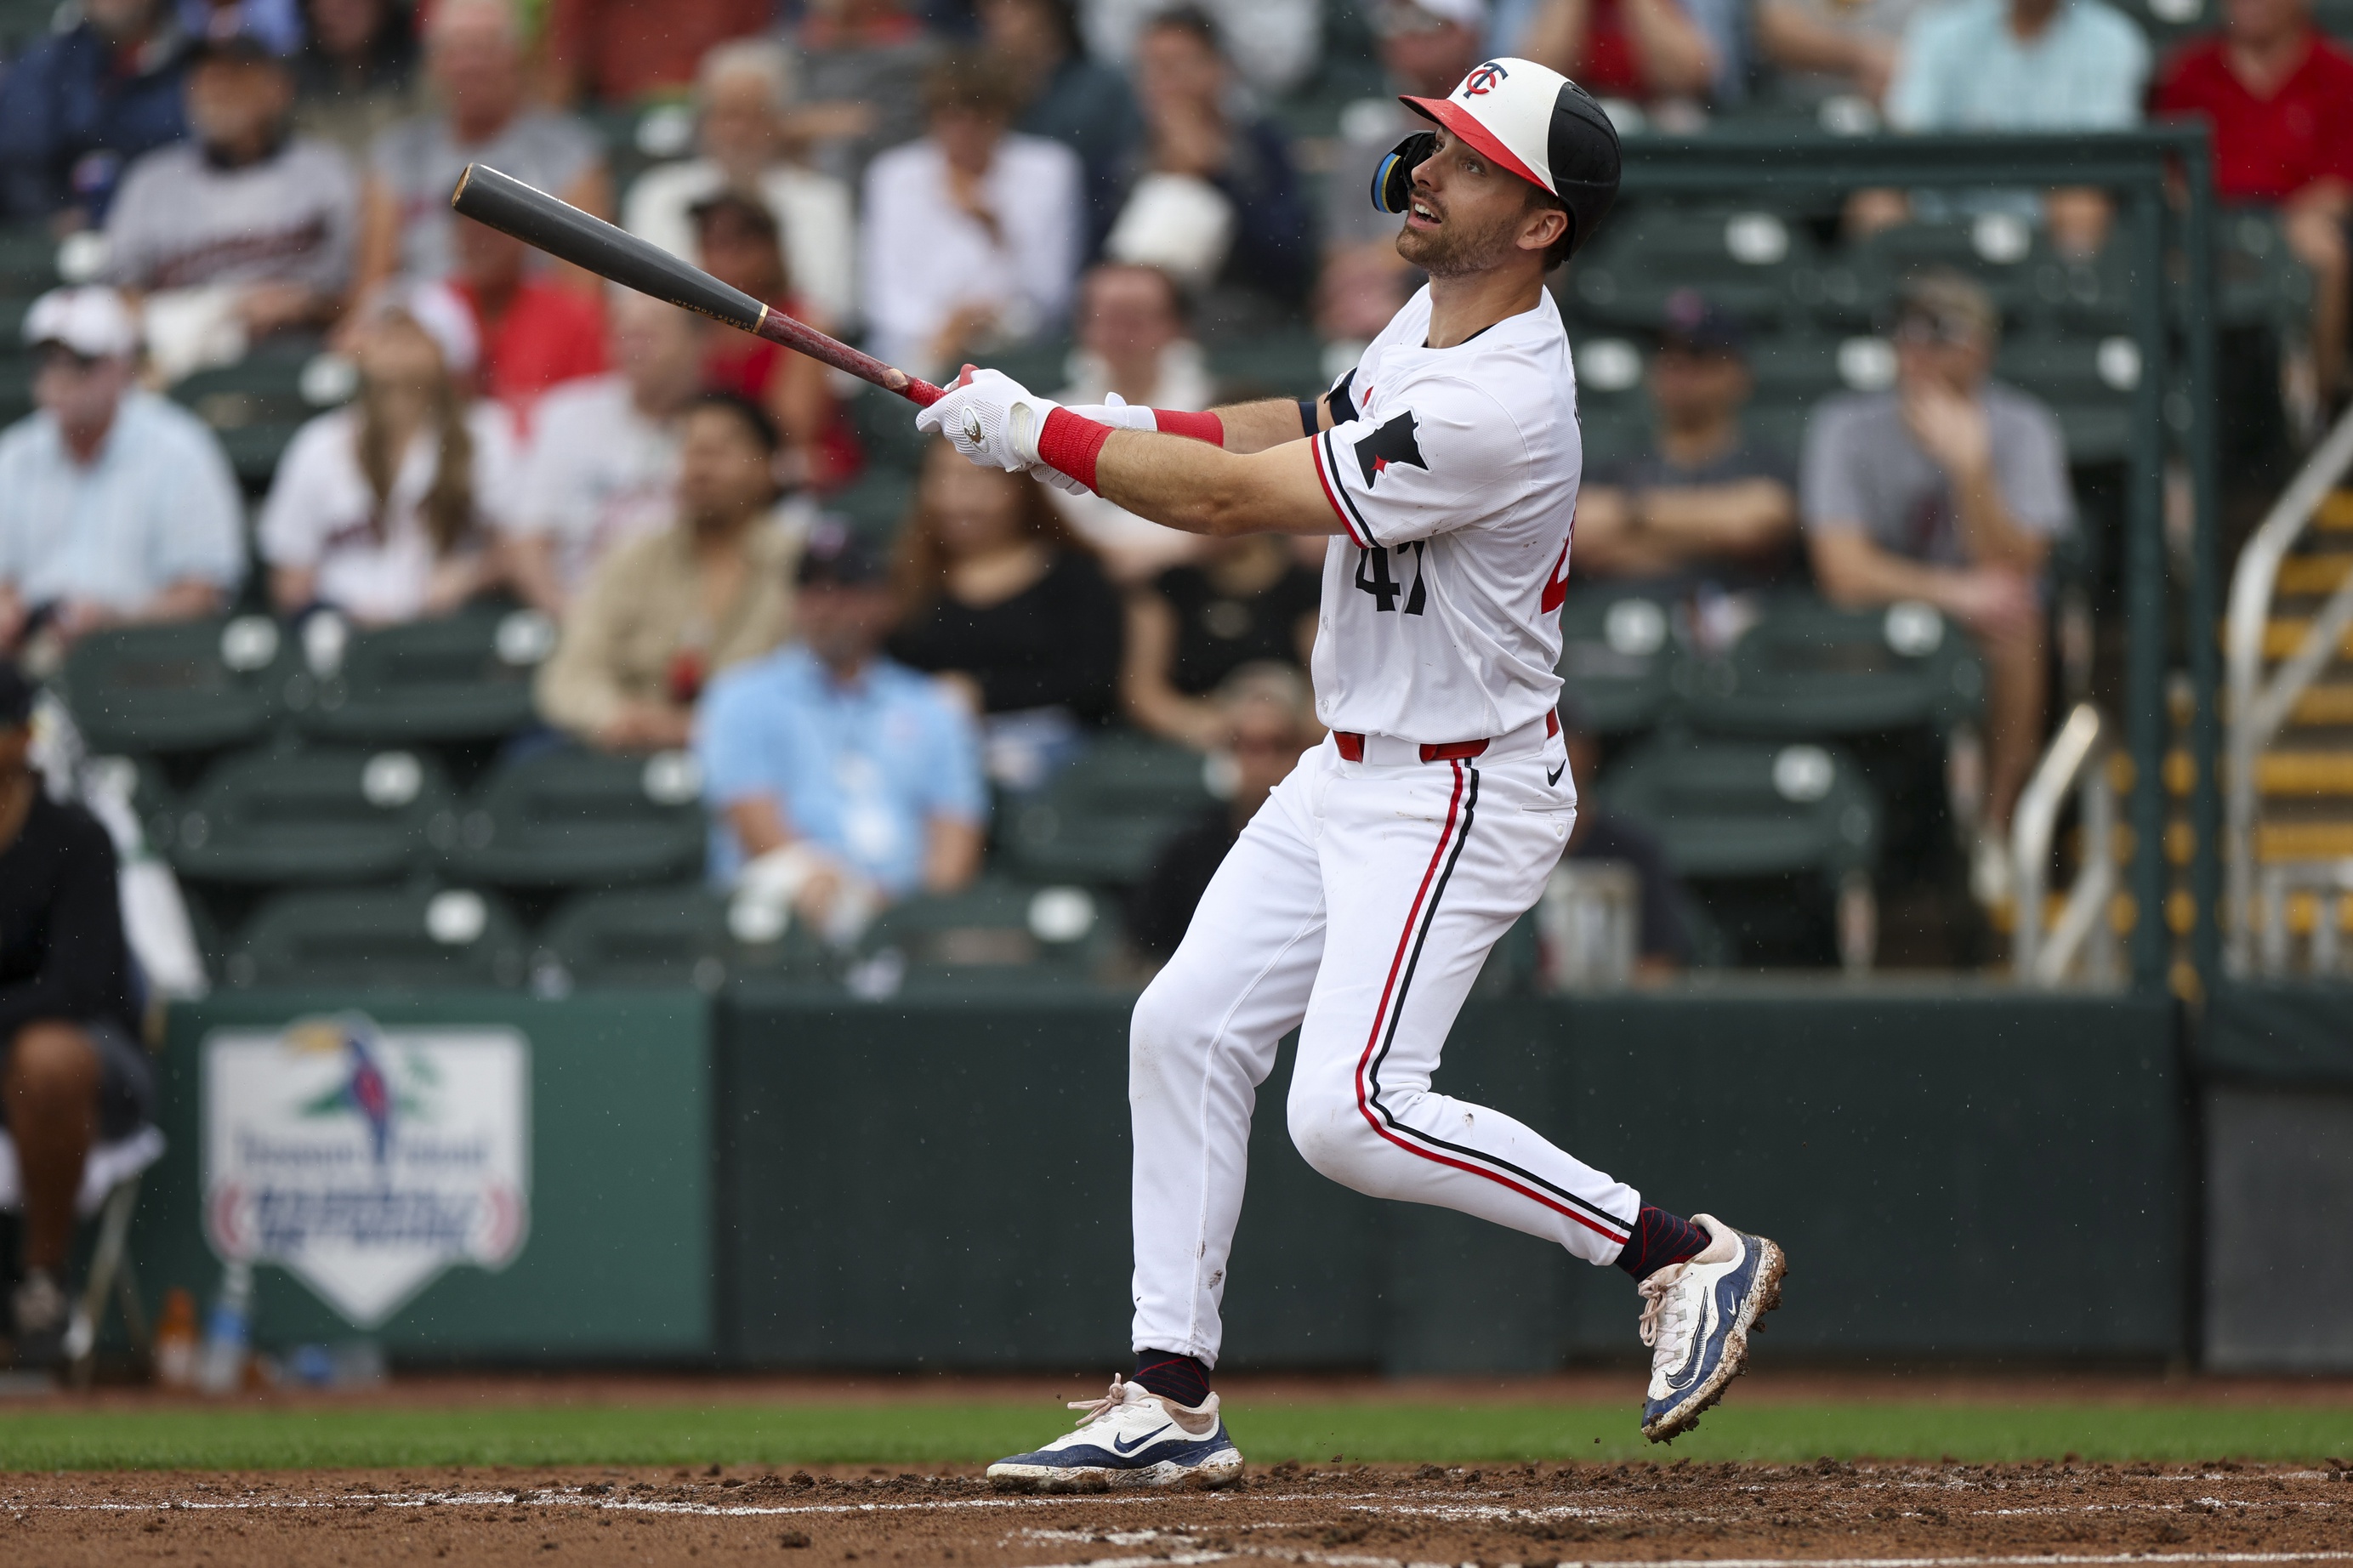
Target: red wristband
[[1202, 426], [1069, 443]]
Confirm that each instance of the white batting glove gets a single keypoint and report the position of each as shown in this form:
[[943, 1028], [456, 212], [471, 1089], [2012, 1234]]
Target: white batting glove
[[1117, 412], [991, 418]]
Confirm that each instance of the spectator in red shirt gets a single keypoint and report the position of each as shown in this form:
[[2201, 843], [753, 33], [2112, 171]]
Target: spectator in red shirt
[[2280, 100], [738, 239], [622, 50], [534, 331], [1646, 50]]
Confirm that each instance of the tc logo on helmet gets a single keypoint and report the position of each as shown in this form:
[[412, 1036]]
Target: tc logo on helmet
[[1483, 80]]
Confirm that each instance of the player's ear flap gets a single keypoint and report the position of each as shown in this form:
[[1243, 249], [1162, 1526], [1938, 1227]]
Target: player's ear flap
[[1393, 175]]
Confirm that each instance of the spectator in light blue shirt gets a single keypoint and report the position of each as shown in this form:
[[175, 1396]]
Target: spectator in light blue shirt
[[115, 505], [856, 771], [2024, 65]]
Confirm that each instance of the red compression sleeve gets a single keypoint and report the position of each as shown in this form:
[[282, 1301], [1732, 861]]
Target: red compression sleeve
[[1199, 427], [1071, 443]]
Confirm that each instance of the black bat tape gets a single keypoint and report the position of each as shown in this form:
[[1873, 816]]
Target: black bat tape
[[565, 232]]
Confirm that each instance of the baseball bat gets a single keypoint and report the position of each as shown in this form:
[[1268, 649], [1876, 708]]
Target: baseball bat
[[565, 232]]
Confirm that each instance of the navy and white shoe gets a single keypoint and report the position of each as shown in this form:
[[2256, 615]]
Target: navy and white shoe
[[1129, 1437], [1696, 1318]]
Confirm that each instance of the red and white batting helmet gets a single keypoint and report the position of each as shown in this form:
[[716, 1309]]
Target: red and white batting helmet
[[1541, 126]]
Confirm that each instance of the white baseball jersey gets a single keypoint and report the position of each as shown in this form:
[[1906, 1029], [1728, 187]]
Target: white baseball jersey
[[1455, 476]]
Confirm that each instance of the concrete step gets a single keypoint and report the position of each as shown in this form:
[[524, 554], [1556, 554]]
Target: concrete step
[[2279, 841], [2314, 573], [2304, 773], [2335, 512], [2283, 635]]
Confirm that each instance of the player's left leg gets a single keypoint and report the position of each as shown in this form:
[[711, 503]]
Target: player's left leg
[[1425, 868]]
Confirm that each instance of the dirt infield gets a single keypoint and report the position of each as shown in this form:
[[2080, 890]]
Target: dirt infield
[[1826, 1515]]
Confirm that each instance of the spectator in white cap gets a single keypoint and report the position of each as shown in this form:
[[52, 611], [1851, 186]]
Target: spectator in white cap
[[1427, 46], [388, 510], [115, 505]]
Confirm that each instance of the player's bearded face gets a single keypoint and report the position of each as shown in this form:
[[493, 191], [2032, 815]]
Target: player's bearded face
[[1461, 226]]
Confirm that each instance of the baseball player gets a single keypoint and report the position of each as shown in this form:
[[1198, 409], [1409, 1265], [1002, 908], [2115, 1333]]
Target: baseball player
[[1360, 902]]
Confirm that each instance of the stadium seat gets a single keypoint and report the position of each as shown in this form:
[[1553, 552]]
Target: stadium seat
[[29, 260], [1283, 363], [2258, 280], [379, 939], [1617, 654], [570, 818], [308, 815], [185, 686], [1740, 808], [1104, 816], [257, 404], [666, 936], [2003, 252], [995, 935], [1810, 669], [466, 676], [2088, 383], [1755, 263]]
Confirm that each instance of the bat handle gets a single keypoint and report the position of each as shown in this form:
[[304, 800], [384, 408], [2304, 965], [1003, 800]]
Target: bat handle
[[919, 392]]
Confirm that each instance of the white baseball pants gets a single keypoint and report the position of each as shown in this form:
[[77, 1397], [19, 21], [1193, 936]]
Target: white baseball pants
[[1357, 906]]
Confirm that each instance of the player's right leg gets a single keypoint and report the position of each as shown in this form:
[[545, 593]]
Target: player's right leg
[[1202, 1040]]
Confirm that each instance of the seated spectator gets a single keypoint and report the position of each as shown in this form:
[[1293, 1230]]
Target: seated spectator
[[2024, 65], [862, 68], [1266, 718], [72, 1070], [1948, 489], [972, 234], [743, 102], [356, 76], [1651, 52], [115, 504], [667, 611], [1427, 46], [1248, 601], [2279, 97], [737, 239], [78, 106], [1275, 43], [473, 56], [1060, 92], [621, 52], [243, 225], [1132, 342], [1009, 607], [1663, 942], [533, 333], [1827, 48], [385, 510], [603, 462], [1705, 507], [833, 775], [1211, 201]]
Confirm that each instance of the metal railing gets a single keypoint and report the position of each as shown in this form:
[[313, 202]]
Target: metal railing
[[2331, 883], [2258, 707], [2076, 760]]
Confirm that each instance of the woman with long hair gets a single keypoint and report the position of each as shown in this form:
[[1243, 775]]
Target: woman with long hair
[[387, 509], [1005, 603]]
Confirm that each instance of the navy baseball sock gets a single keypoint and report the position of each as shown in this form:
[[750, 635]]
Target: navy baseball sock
[[1661, 1238], [1172, 1376]]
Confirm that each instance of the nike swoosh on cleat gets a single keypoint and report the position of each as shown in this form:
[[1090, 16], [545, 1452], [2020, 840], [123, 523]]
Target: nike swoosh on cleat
[[1140, 1442]]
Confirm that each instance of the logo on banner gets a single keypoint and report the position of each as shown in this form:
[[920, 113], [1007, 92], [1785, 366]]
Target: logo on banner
[[367, 1160]]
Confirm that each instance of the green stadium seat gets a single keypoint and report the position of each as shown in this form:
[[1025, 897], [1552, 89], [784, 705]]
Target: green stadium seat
[[256, 405], [1741, 808], [1104, 816], [2258, 280], [666, 936], [1757, 263], [379, 939], [2003, 252], [189, 686], [569, 817], [1810, 669], [288, 816], [876, 507], [995, 935], [1281, 363], [29, 260], [1618, 657], [466, 676], [2089, 383]]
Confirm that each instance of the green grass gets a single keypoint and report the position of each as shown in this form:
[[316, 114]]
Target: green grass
[[914, 1433]]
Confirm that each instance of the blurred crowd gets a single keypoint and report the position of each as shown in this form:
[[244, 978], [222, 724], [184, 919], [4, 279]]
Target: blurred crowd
[[942, 182]]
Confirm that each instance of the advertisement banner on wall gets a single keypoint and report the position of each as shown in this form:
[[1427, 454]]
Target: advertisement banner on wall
[[367, 1160]]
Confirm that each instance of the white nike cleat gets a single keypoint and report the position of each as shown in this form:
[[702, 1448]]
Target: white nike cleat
[[1129, 1437], [1696, 1317]]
